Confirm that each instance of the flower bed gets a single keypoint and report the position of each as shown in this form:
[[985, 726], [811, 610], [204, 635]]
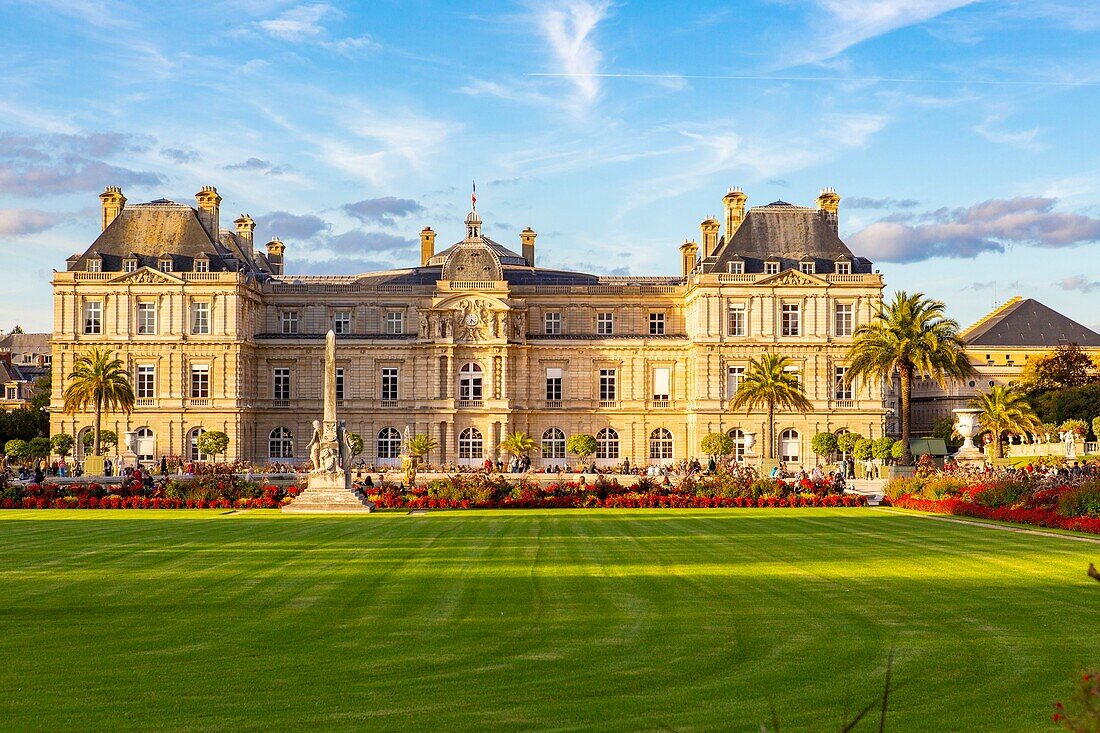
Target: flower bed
[[224, 492], [1037, 517]]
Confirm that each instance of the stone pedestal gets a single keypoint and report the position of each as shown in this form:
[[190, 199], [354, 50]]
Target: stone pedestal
[[94, 465], [329, 493]]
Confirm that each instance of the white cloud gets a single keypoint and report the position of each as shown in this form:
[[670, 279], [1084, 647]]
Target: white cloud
[[300, 23], [569, 29], [20, 222], [1023, 139], [846, 23]]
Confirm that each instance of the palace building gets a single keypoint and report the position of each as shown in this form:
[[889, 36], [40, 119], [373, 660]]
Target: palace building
[[473, 342]]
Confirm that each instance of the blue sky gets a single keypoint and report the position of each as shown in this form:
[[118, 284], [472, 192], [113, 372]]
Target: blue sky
[[962, 135]]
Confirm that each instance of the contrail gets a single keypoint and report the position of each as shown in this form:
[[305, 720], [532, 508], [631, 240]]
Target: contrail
[[886, 79]]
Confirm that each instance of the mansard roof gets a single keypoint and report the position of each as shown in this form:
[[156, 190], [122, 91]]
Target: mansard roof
[[788, 233], [148, 232], [1028, 323]]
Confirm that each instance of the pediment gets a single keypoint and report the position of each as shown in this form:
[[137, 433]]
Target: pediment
[[793, 278], [147, 276]]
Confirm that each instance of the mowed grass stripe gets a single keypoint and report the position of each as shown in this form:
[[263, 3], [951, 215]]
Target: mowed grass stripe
[[552, 620]]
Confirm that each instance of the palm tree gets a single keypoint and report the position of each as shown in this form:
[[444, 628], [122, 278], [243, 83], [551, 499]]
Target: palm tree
[[100, 380], [1005, 409], [767, 381], [517, 444], [416, 447], [912, 337]]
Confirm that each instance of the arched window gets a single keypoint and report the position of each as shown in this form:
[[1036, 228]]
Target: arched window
[[145, 444], [553, 444], [660, 445], [607, 444], [389, 443], [469, 382], [470, 444], [737, 435], [280, 444], [193, 445], [789, 446]]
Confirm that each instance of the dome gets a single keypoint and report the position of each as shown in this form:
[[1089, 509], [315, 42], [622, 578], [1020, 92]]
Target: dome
[[473, 217]]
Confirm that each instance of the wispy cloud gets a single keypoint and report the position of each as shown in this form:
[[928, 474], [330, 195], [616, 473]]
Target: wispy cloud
[[258, 165], [290, 226], [1024, 139], [304, 24], [20, 222], [1080, 283], [40, 165], [863, 202], [383, 210], [990, 226], [569, 29]]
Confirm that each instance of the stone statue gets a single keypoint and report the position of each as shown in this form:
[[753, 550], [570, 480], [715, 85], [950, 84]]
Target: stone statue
[[347, 450], [314, 446]]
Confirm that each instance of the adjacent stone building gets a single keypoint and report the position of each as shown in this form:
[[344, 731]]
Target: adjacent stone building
[[473, 342], [24, 357]]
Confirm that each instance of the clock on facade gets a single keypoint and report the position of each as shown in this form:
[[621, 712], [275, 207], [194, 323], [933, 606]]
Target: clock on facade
[[471, 319]]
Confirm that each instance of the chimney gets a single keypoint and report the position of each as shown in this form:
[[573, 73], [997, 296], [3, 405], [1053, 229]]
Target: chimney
[[113, 201], [275, 249], [828, 203], [688, 251], [527, 237], [208, 203], [427, 245], [735, 210], [709, 228], [246, 226]]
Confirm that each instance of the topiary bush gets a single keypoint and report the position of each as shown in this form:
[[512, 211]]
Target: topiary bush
[[824, 444]]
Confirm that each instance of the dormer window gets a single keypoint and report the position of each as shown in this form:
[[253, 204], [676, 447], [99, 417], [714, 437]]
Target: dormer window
[[807, 267], [737, 268], [771, 267], [129, 265], [165, 264], [844, 268], [95, 265], [202, 265]]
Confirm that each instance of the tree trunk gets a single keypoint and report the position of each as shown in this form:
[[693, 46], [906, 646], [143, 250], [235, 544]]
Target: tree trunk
[[98, 418], [771, 430], [998, 451], [905, 373]]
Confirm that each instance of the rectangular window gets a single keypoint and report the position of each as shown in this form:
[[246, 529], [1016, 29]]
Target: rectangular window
[[794, 372], [737, 268], [771, 268], [166, 265], [389, 383], [791, 324], [129, 265], [290, 321], [553, 384], [94, 265], [807, 268], [844, 268], [841, 390], [341, 322], [146, 382], [733, 380], [281, 383], [735, 320], [552, 324], [200, 381], [202, 266], [843, 319], [12, 392], [200, 318], [147, 318], [608, 392], [395, 322], [662, 387], [656, 324], [339, 383], [93, 317], [605, 324]]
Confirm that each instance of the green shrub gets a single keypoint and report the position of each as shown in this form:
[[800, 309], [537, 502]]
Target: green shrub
[[1081, 501], [717, 444], [881, 448], [899, 485], [861, 450], [847, 441], [1003, 494], [824, 444]]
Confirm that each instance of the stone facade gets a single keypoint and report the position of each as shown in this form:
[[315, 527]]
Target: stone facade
[[474, 343]]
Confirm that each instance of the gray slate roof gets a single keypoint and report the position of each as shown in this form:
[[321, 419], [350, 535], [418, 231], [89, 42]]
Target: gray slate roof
[[1030, 323], [787, 233], [505, 255]]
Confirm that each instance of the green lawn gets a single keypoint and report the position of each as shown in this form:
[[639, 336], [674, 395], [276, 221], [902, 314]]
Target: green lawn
[[559, 620]]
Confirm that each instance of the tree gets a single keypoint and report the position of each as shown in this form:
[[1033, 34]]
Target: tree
[[100, 380], [910, 337], [882, 448], [62, 444], [897, 450], [1096, 427], [768, 382], [1069, 403], [861, 451], [356, 441], [517, 444], [213, 443], [1066, 366], [17, 450], [1005, 410], [420, 445], [38, 447], [107, 439], [824, 444], [945, 428], [582, 445], [717, 444], [43, 386], [847, 441]]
